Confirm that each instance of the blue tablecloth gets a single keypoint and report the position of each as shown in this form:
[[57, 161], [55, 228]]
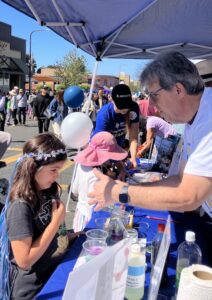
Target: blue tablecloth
[[180, 223]]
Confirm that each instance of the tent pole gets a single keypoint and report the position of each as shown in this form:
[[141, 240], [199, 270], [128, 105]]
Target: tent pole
[[87, 111], [33, 11], [92, 85]]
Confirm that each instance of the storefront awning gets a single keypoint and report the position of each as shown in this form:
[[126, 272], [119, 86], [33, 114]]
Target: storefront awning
[[21, 65]]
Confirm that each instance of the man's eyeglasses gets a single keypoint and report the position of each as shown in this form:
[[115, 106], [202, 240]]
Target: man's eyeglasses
[[153, 95]]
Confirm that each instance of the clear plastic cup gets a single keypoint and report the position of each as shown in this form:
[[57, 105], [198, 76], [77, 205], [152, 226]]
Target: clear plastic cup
[[97, 234], [94, 247]]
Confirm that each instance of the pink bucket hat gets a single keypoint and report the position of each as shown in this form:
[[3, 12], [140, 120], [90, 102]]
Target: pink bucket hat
[[102, 147]]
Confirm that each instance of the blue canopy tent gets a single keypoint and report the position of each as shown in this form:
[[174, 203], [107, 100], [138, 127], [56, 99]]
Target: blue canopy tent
[[136, 29], [127, 28]]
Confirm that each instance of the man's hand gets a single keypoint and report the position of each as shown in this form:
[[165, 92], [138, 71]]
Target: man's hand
[[133, 163], [35, 118], [104, 190]]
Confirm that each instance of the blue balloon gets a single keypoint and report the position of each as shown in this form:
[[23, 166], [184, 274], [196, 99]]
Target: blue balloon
[[73, 96]]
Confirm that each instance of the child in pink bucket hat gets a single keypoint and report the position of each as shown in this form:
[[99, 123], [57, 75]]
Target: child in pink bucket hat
[[101, 149]]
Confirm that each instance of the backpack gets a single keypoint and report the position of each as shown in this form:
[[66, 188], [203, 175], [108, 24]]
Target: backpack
[[5, 264], [4, 257]]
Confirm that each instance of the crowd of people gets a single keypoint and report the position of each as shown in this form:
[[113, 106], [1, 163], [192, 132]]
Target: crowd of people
[[13, 108], [174, 93]]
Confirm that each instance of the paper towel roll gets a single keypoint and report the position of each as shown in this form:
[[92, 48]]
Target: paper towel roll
[[195, 283]]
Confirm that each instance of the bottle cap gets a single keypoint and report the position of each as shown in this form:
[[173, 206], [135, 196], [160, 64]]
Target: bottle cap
[[190, 236], [135, 248], [161, 227]]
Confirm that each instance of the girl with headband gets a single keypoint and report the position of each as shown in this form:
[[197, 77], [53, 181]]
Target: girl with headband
[[31, 219]]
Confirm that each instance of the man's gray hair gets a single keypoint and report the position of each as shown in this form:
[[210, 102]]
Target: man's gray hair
[[172, 67]]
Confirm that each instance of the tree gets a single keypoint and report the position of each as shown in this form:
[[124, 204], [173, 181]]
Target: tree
[[39, 86], [39, 70], [72, 70], [85, 86], [51, 66], [59, 87], [134, 86]]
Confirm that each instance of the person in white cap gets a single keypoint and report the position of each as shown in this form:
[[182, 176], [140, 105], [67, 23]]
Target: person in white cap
[[14, 106], [22, 107], [2, 110], [16, 88]]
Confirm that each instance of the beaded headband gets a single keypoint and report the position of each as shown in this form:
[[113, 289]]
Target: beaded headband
[[44, 156]]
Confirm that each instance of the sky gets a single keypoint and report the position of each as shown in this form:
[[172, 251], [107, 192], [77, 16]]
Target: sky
[[48, 47]]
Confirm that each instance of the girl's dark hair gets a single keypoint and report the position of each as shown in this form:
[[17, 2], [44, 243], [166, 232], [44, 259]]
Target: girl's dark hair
[[24, 185], [59, 96]]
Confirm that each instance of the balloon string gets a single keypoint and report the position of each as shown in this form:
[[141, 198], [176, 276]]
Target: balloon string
[[71, 187]]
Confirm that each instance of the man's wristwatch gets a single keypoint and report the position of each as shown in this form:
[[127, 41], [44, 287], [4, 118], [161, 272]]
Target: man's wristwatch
[[123, 195]]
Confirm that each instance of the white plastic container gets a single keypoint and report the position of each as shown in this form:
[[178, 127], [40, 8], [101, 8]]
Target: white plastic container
[[189, 253], [136, 273]]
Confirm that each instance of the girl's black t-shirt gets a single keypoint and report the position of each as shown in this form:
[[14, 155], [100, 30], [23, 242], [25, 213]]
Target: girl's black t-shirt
[[22, 222]]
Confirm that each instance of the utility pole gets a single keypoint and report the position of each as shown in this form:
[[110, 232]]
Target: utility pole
[[30, 58]]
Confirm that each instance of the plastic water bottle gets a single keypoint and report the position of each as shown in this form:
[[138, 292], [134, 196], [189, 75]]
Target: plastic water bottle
[[136, 273], [189, 253], [156, 242], [155, 249]]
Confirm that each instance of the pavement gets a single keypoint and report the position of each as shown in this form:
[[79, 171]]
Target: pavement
[[21, 134]]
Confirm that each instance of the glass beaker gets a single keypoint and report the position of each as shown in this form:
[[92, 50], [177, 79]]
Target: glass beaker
[[121, 214], [116, 230]]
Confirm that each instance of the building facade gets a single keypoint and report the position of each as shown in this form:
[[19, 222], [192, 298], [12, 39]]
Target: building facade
[[104, 81], [124, 77], [13, 68], [46, 76], [205, 70]]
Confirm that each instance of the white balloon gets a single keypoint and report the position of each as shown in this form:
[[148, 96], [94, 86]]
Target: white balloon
[[76, 130]]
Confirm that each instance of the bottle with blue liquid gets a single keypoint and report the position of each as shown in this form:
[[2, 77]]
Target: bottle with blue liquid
[[136, 273]]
